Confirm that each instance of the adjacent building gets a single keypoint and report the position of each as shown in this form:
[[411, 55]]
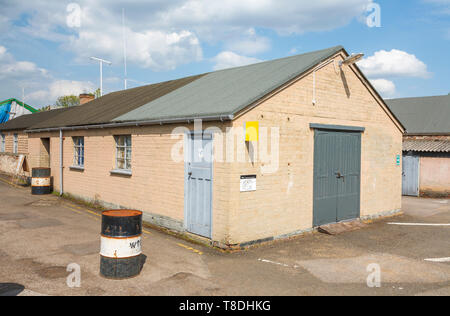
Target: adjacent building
[[236, 156], [13, 108], [426, 144], [14, 141]]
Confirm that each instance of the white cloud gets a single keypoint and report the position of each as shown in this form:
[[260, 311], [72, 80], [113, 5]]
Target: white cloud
[[164, 34], [12, 69], [250, 46], [293, 51], [150, 49], [283, 16], [161, 34], [40, 87], [395, 63], [229, 59], [61, 88], [385, 87]]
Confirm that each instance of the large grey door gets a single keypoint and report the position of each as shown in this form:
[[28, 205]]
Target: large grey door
[[410, 183], [337, 176], [199, 185]]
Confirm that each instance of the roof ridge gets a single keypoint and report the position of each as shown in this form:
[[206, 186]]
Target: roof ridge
[[421, 97], [333, 48]]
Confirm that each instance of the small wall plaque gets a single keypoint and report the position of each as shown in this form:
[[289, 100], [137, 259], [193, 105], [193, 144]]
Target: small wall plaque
[[248, 183]]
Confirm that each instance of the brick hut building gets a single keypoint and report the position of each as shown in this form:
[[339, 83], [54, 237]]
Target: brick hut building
[[426, 144], [236, 156]]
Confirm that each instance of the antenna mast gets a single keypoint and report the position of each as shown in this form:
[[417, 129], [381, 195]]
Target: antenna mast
[[124, 48]]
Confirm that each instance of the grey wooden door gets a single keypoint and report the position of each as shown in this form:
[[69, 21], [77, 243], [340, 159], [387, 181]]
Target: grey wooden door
[[410, 175], [199, 185], [337, 176]]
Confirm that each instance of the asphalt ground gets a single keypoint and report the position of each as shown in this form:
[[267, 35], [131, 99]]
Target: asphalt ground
[[41, 236]]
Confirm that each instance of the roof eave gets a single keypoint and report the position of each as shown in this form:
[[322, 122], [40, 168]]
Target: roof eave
[[222, 118], [427, 134]]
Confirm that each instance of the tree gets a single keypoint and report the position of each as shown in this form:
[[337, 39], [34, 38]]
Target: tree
[[45, 108], [97, 93], [67, 100]]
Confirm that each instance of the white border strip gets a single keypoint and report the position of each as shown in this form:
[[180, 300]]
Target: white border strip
[[439, 260], [418, 224]]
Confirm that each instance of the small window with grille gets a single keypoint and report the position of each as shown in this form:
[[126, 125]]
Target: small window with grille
[[123, 152], [78, 152]]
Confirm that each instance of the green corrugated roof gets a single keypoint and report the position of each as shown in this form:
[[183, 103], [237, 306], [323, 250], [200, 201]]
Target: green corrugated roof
[[228, 91], [424, 115]]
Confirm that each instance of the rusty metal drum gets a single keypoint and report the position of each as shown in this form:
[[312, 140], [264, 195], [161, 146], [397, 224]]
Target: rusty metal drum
[[121, 244], [41, 181]]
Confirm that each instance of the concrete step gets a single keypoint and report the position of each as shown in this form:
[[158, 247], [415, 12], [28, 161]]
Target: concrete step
[[342, 227]]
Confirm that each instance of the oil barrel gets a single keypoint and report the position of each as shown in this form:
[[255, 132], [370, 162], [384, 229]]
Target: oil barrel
[[41, 181], [121, 244]]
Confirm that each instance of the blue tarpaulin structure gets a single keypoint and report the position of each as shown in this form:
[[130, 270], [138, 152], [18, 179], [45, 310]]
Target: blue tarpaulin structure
[[13, 108]]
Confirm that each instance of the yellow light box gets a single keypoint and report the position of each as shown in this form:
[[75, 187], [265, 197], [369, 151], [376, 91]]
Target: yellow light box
[[251, 131]]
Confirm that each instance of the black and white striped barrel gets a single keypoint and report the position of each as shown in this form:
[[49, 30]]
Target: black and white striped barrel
[[40, 181], [121, 244]]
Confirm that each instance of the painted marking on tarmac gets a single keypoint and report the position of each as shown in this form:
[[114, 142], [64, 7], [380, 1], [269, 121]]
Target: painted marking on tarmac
[[10, 183], [438, 259], [419, 224], [190, 248], [278, 263], [93, 213], [85, 210], [81, 213]]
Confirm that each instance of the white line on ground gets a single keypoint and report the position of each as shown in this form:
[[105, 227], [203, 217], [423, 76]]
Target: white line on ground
[[418, 224], [439, 259], [278, 263]]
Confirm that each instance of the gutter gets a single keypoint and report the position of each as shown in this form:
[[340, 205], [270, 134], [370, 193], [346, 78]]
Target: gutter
[[221, 118]]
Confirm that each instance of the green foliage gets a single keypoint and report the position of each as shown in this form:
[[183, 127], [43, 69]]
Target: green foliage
[[67, 100], [97, 93], [45, 108]]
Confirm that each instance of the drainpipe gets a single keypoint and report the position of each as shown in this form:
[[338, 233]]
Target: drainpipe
[[61, 190]]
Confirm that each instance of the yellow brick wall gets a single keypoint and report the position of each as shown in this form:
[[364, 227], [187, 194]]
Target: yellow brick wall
[[22, 142], [10, 160], [157, 182], [283, 202]]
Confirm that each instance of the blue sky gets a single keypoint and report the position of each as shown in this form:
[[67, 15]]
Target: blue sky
[[45, 45]]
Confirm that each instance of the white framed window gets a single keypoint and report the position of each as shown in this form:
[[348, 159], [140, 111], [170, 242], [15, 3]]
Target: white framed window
[[3, 143], [15, 143], [123, 152], [78, 151]]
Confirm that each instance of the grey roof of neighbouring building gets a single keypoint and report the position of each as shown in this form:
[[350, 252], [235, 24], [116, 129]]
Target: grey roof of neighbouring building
[[424, 115], [226, 92], [427, 145]]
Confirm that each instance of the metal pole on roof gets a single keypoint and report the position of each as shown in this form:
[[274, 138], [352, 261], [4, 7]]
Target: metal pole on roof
[[101, 61], [124, 48]]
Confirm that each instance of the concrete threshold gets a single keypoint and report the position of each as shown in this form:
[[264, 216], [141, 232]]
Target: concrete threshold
[[342, 227]]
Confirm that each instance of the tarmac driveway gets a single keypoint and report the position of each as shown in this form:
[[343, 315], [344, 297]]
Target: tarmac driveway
[[41, 236]]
